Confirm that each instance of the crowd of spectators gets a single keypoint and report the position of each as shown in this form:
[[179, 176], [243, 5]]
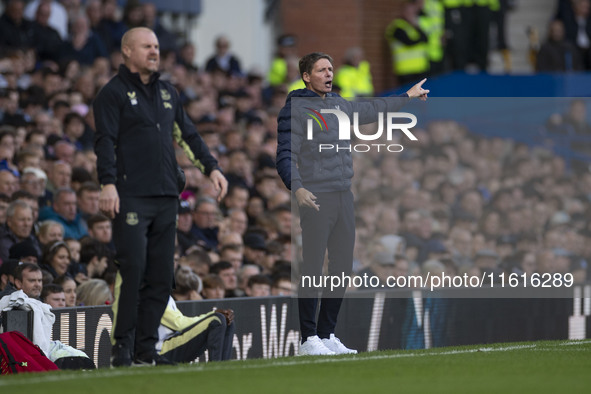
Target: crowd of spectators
[[460, 203], [48, 186], [453, 200], [568, 43]]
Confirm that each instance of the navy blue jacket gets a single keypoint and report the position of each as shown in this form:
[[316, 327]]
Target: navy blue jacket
[[299, 161]]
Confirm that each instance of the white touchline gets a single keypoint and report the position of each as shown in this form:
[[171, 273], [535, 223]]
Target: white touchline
[[286, 362]]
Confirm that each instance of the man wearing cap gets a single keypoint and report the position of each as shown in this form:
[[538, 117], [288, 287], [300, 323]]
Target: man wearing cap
[[24, 251], [254, 249], [185, 238], [286, 47]]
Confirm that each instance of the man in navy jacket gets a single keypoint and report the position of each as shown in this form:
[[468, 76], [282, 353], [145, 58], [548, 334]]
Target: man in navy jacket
[[321, 182]]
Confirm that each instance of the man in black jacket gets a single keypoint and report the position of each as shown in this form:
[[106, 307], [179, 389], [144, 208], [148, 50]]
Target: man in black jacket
[[15, 31], [321, 181], [135, 116]]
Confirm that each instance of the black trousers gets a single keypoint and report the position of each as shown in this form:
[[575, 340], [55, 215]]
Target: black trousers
[[144, 233], [333, 229], [457, 26], [480, 35], [210, 333]]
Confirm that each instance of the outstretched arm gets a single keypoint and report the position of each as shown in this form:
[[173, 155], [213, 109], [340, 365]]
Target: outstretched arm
[[418, 91]]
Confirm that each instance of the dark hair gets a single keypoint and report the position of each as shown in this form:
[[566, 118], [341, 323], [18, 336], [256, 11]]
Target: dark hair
[[26, 248], [236, 186], [7, 131], [213, 281], [220, 266], [18, 271], [281, 276], [51, 249], [60, 280], [60, 104], [308, 61], [281, 208], [50, 288], [24, 153], [4, 198], [90, 247], [96, 218], [88, 186], [32, 133], [232, 247], [259, 279], [22, 195], [281, 267], [72, 116], [81, 175]]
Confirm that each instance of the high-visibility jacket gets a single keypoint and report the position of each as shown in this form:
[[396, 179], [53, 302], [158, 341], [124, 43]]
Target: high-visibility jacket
[[408, 59], [456, 3], [295, 85], [494, 5], [278, 71], [432, 23], [354, 81]]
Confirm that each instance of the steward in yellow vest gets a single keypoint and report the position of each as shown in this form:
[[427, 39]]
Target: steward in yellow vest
[[353, 78], [408, 45], [431, 21]]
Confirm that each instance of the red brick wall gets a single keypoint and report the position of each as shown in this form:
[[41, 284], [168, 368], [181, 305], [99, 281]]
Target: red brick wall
[[332, 26]]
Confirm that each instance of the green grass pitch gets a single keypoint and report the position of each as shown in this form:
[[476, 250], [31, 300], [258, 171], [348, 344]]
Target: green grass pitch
[[528, 367]]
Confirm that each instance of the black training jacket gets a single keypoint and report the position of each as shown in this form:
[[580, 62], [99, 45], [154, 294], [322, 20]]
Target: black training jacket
[[133, 141]]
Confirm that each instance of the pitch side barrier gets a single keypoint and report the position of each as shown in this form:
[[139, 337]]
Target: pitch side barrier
[[415, 319]]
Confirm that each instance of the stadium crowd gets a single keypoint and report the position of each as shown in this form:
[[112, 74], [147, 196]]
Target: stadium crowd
[[454, 202]]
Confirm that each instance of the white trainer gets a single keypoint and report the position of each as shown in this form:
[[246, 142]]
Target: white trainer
[[333, 343], [314, 347]]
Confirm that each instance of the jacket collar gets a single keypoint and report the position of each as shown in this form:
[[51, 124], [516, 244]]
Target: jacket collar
[[135, 77]]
